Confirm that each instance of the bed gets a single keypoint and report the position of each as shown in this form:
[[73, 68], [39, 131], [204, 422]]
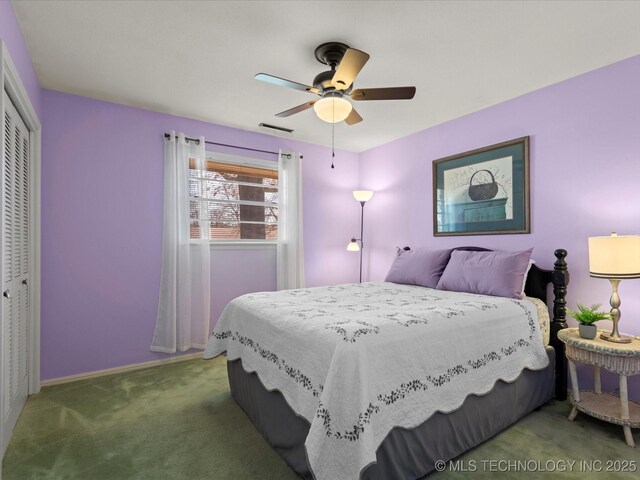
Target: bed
[[342, 384]]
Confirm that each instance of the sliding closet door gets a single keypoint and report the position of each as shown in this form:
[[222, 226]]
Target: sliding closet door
[[15, 263]]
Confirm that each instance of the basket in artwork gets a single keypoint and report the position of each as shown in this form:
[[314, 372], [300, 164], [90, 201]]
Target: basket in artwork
[[482, 191]]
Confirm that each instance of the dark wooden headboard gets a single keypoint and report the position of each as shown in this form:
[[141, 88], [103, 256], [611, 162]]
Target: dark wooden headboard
[[536, 286]]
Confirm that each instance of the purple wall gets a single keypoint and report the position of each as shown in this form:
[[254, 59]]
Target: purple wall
[[102, 204], [102, 229], [11, 34], [585, 171]]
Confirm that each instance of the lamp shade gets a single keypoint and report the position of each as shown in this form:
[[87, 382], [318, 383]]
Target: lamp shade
[[353, 246], [362, 195], [332, 109], [616, 257]]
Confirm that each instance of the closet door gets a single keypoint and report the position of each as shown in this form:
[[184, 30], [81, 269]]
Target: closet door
[[15, 263]]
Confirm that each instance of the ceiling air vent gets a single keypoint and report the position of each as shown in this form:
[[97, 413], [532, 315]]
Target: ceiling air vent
[[275, 128]]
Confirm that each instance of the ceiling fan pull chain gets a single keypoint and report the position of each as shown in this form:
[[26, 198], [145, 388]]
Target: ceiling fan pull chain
[[333, 150], [333, 136]]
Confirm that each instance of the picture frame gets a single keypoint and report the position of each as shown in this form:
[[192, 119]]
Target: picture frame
[[483, 191]]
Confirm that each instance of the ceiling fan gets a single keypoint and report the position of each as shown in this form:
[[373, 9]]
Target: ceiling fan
[[336, 84]]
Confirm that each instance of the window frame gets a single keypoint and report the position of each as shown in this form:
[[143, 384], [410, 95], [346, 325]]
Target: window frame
[[239, 243]]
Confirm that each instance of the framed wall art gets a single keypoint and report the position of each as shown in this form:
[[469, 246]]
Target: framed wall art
[[483, 192]]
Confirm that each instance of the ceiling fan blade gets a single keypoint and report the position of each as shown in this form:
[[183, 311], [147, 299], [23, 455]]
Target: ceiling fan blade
[[391, 93], [283, 82], [298, 109], [353, 118], [349, 67]]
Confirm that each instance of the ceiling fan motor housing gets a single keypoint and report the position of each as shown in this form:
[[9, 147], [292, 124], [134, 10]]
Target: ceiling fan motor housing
[[330, 53], [323, 83]]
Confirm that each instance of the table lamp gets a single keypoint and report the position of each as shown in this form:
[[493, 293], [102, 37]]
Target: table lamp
[[616, 258]]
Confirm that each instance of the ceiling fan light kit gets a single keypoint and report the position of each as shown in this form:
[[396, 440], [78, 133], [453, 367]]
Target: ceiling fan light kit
[[334, 85], [332, 109]]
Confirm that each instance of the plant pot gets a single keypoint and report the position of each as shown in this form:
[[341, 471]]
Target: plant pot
[[587, 331]]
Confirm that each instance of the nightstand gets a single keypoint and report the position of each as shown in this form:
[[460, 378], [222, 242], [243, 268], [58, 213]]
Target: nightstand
[[620, 358]]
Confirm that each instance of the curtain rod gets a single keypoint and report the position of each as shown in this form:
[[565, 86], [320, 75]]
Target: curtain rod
[[197, 140]]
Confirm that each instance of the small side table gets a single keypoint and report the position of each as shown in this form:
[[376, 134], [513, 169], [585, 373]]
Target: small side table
[[620, 358]]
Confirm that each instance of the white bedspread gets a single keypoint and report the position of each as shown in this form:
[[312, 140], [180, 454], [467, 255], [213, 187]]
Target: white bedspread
[[358, 360]]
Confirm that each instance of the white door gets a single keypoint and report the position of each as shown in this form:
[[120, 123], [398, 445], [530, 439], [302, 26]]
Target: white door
[[14, 268]]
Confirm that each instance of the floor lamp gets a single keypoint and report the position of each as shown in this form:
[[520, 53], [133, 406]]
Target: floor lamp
[[362, 196]]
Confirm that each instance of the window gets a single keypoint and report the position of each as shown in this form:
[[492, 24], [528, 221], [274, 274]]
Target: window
[[236, 199]]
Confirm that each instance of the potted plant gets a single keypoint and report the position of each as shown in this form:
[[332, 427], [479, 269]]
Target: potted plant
[[587, 316]]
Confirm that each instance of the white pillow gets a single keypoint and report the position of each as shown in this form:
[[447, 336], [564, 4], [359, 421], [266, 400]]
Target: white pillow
[[526, 274]]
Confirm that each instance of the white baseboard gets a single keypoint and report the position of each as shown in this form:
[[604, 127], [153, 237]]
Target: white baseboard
[[114, 370]]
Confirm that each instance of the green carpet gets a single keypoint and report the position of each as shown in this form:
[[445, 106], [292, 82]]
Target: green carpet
[[179, 421]]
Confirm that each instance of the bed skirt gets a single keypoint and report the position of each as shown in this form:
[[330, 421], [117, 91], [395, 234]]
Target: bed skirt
[[404, 454]]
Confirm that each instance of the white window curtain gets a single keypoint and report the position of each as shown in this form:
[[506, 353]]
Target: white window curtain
[[182, 322], [290, 247]]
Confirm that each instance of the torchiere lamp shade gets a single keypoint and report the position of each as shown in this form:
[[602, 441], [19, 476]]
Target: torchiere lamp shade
[[614, 257], [362, 195]]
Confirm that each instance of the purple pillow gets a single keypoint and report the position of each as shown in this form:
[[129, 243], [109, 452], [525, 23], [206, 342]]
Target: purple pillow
[[488, 273], [418, 267]]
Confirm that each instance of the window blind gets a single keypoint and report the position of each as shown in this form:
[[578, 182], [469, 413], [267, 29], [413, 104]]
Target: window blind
[[230, 202]]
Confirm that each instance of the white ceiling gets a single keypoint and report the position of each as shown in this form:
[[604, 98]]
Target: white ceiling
[[198, 59]]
